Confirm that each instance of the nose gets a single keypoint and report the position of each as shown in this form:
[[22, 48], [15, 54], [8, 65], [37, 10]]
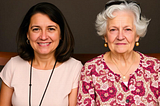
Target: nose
[[43, 35], [120, 35]]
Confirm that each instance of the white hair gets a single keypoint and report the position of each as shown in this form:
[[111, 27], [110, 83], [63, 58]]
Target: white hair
[[140, 22]]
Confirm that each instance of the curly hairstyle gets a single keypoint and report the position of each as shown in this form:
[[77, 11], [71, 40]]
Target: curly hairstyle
[[140, 22]]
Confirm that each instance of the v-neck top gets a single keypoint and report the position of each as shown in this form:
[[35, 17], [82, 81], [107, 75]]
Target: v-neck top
[[101, 86]]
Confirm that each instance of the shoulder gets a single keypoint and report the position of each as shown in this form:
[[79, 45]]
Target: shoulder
[[17, 58], [72, 62], [94, 63], [14, 68], [16, 61], [146, 58], [149, 63], [95, 60], [71, 67]]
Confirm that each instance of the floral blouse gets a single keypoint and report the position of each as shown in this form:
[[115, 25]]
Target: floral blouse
[[100, 86]]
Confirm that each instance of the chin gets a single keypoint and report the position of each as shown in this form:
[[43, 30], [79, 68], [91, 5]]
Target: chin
[[44, 52], [121, 51]]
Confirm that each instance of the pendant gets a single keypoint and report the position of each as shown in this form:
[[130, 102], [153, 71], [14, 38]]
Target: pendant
[[124, 77]]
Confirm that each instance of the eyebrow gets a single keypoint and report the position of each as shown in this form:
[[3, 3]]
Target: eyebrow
[[47, 26]]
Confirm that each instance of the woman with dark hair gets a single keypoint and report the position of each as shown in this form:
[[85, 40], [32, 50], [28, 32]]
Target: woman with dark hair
[[43, 73], [121, 76]]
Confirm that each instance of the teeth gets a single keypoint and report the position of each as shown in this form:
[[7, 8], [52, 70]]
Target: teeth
[[43, 43]]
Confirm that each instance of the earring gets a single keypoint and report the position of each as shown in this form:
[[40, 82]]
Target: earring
[[27, 41], [105, 45], [137, 43]]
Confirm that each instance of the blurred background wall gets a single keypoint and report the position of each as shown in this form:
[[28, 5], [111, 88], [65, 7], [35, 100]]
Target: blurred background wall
[[81, 15]]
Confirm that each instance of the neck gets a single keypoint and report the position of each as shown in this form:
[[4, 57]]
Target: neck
[[122, 59], [122, 64], [44, 62]]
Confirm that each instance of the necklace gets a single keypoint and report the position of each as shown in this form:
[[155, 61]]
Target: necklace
[[30, 84], [123, 75]]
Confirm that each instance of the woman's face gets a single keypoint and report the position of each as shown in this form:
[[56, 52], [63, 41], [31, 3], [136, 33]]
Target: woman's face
[[121, 32], [43, 34]]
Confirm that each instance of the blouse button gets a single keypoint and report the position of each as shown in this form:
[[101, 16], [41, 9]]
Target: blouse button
[[127, 100], [126, 88]]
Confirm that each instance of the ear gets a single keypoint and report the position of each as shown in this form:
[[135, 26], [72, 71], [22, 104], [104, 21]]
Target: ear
[[28, 36], [137, 38], [105, 38]]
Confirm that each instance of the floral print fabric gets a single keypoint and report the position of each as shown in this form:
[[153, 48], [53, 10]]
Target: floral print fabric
[[100, 86]]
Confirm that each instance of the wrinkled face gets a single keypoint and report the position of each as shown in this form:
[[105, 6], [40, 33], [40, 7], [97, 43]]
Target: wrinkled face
[[43, 34], [121, 32]]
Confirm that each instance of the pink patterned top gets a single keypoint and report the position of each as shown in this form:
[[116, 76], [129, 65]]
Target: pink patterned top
[[100, 86]]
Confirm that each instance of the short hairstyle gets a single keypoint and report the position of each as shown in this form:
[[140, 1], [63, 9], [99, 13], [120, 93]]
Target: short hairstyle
[[66, 45], [140, 22]]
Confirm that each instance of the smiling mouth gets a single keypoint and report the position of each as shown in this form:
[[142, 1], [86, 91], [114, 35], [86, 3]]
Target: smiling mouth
[[44, 44]]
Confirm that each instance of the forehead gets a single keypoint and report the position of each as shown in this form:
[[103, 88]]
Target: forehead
[[40, 18]]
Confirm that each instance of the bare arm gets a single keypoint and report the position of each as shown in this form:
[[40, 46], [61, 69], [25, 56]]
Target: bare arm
[[5, 95], [73, 97]]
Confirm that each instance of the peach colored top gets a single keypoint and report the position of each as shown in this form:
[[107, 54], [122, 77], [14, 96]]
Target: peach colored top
[[65, 77]]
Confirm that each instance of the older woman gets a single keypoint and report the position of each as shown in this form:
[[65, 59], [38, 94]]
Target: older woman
[[44, 73], [122, 76]]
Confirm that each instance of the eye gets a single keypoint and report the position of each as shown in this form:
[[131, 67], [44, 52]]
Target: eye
[[35, 29], [51, 29], [128, 29], [112, 30]]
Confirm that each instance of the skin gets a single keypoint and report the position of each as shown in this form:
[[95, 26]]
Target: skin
[[44, 37], [5, 95], [121, 37]]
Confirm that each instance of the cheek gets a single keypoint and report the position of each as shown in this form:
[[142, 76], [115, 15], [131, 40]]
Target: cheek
[[33, 37], [111, 38], [56, 36], [132, 39]]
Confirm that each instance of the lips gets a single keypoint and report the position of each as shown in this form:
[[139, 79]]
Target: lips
[[120, 43], [44, 44]]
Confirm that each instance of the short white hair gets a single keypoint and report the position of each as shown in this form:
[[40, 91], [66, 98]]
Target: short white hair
[[140, 22]]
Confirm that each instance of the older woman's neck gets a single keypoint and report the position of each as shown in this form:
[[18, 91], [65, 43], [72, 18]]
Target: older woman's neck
[[123, 58]]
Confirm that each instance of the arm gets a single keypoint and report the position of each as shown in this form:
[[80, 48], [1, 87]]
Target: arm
[[86, 92], [5, 95], [73, 97]]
